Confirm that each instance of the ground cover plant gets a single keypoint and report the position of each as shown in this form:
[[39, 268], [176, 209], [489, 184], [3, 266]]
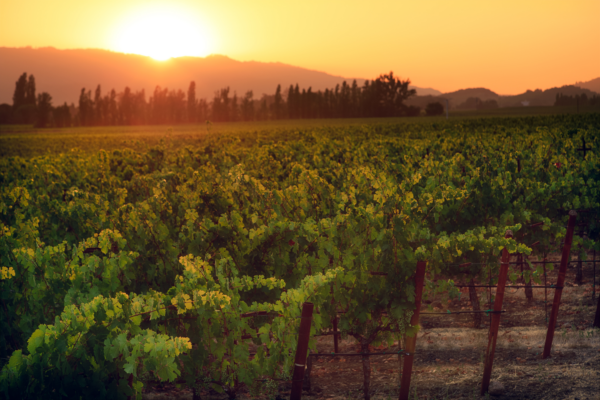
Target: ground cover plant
[[185, 257]]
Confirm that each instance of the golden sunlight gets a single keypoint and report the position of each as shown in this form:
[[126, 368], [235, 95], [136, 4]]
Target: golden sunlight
[[163, 33]]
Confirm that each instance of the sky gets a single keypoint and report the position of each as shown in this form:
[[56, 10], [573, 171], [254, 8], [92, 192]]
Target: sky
[[506, 46]]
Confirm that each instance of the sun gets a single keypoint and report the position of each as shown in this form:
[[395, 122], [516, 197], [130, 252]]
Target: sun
[[163, 33]]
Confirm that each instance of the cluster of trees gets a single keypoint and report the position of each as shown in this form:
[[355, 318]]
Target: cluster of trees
[[28, 108], [381, 97], [475, 103], [576, 100], [433, 109]]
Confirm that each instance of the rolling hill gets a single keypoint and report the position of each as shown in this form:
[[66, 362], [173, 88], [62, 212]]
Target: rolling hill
[[63, 73]]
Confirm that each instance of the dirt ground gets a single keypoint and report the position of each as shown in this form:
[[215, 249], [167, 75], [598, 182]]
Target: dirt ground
[[449, 359]]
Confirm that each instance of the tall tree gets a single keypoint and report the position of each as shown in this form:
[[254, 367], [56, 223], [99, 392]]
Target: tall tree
[[126, 106], [355, 96], [225, 104], [263, 112], [291, 103], [62, 116], [234, 112], [248, 106], [203, 114], [30, 91], [98, 107], [112, 107], [191, 102], [85, 107], [297, 101], [24, 99], [277, 106], [20, 92], [44, 102]]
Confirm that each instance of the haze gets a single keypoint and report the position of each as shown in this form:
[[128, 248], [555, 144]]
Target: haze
[[507, 46]]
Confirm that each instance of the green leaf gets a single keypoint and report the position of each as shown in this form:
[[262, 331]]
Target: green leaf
[[35, 341], [129, 368], [15, 359], [217, 388]]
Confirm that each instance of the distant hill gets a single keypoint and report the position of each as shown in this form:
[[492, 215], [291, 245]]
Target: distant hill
[[543, 97], [460, 96], [593, 85], [536, 97], [63, 73]]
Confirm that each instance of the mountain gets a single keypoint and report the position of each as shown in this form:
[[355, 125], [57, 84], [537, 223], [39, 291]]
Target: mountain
[[593, 85], [63, 73], [543, 97], [460, 96], [536, 97]]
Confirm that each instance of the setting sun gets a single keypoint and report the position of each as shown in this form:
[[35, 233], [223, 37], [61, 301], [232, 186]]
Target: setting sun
[[163, 33]]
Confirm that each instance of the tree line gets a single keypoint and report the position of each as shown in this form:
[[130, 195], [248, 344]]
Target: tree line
[[380, 97], [576, 100]]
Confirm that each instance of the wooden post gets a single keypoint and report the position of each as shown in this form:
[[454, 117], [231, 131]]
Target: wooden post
[[130, 383], [335, 326], [560, 282], [336, 336], [411, 342], [301, 351], [493, 335], [474, 304], [597, 318]]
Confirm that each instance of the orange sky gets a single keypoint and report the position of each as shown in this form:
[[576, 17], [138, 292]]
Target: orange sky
[[507, 46]]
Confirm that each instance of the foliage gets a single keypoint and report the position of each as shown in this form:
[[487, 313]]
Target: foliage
[[121, 268]]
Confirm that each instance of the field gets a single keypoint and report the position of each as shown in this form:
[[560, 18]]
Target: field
[[26, 141], [173, 262]]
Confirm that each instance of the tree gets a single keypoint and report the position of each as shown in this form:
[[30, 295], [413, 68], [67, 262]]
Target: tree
[[5, 113], [248, 106], [112, 107], [263, 113], [30, 91], [126, 106], [433, 109], [234, 108], [86, 107], [220, 106], [62, 116], [390, 93], [44, 110], [355, 96], [277, 106], [202, 110], [98, 107], [24, 99], [20, 92], [291, 102], [191, 102]]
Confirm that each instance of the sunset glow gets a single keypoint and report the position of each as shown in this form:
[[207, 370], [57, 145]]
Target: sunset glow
[[508, 47], [162, 33]]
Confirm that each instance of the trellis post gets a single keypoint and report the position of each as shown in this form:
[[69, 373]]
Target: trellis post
[[411, 342], [560, 282], [301, 351], [495, 323]]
